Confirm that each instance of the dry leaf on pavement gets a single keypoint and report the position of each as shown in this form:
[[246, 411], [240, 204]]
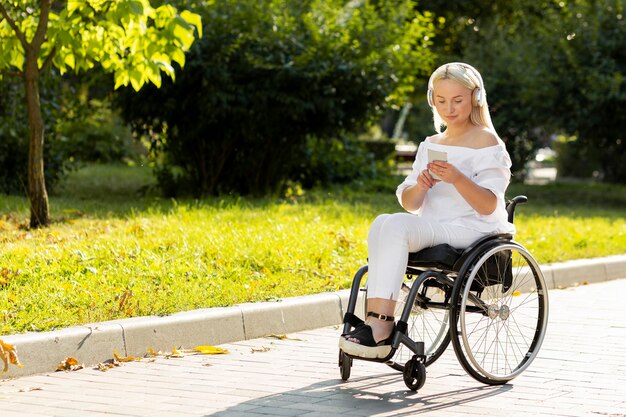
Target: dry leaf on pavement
[[126, 358], [8, 353], [105, 366], [210, 350], [281, 337], [69, 364], [261, 349]]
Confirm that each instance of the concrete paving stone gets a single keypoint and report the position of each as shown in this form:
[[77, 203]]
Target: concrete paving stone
[[248, 413], [44, 413], [173, 413], [277, 410]]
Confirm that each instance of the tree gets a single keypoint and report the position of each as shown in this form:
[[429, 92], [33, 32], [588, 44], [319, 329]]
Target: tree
[[592, 72], [268, 75], [128, 38]]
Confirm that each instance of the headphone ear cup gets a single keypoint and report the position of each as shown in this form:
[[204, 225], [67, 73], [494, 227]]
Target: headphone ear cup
[[429, 97], [478, 97]]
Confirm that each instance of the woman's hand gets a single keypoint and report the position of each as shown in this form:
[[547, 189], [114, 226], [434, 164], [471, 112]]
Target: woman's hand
[[425, 181], [446, 171]]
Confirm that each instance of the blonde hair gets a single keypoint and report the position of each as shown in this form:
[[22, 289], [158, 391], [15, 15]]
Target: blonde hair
[[469, 77]]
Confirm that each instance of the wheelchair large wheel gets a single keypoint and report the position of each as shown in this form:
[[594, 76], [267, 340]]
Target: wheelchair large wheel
[[500, 313], [428, 325]]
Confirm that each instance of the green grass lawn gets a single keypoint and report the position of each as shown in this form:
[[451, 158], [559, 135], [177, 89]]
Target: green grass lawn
[[115, 249]]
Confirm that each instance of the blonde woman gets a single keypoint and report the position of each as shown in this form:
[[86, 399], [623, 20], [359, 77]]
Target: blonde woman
[[456, 198]]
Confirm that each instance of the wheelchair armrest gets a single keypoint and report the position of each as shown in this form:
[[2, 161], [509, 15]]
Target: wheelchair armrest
[[510, 205]]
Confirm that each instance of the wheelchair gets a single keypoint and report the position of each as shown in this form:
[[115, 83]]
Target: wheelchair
[[490, 300]]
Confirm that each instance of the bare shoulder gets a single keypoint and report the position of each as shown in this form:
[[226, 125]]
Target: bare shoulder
[[435, 138], [484, 138]]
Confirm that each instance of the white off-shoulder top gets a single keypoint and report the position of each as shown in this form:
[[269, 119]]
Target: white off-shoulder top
[[488, 167]]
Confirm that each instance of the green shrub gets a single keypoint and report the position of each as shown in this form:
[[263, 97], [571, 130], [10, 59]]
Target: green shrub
[[341, 160], [573, 160], [95, 133]]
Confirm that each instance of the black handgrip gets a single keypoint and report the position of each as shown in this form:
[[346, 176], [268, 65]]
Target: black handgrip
[[510, 205]]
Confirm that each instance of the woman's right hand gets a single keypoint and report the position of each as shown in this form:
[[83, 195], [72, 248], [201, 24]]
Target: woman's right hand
[[425, 181], [413, 196]]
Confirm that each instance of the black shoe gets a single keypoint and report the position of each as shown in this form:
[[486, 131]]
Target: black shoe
[[366, 347]]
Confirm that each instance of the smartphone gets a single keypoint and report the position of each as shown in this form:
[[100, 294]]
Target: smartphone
[[436, 156]]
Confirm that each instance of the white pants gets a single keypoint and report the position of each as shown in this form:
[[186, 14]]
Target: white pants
[[393, 236]]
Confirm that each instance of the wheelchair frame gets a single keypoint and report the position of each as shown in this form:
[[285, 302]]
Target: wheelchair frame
[[482, 287]]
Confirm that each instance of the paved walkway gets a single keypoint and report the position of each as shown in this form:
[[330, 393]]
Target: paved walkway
[[580, 371]]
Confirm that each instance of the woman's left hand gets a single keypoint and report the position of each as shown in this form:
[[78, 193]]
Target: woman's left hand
[[446, 171]]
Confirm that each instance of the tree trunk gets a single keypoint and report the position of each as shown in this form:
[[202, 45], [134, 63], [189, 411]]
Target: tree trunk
[[39, 213]]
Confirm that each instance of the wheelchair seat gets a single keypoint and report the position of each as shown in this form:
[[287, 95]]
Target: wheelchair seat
[[448, 258]]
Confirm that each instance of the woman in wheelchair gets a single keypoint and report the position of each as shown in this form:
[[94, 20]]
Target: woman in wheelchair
[[454, 195]]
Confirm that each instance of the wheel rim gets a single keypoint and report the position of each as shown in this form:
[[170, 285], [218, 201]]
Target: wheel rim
[[502, 331]]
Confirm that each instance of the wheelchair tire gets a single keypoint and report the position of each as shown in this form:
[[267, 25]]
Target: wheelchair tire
[[427, 325], [500, 311], [414, 374], [345, 365]]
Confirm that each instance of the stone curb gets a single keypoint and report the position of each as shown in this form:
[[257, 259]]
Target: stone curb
[[93, 343]]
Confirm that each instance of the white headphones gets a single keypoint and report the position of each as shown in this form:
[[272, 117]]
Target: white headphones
[[478, 97]]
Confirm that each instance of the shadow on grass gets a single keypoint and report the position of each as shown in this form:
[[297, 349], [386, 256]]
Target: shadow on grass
[[119, 191], [105, 191]]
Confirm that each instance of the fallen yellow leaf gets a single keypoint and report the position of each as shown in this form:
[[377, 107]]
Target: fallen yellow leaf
[[277, 336], [124, 359], [8, 353], [175, 354], [281, 337], [210, 350]]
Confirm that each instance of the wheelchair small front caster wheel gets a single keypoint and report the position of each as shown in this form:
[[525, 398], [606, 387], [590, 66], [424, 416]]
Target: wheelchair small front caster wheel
[[345, 365], [414, 374]]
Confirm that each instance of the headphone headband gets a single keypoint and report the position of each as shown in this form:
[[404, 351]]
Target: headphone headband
[[478, 97]]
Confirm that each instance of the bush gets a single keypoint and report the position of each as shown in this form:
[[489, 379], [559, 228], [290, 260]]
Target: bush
[[265, 78], [573, 160], [95, 133], [341, 160]]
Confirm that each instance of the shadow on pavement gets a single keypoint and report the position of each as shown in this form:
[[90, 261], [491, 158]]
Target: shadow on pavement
[[334, 397]]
